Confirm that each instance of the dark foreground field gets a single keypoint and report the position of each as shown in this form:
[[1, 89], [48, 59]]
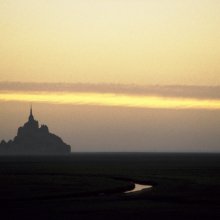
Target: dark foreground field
[[91, 186]]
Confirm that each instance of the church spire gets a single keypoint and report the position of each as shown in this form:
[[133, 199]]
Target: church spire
[[31, 110], [31, 117]]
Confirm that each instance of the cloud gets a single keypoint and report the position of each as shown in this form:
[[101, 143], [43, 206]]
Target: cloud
[[173, 91]]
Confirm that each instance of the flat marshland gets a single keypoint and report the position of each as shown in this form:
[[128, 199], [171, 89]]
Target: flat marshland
[[92, 185]]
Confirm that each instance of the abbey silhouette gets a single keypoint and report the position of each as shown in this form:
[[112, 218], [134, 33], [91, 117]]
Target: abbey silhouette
[[34, 140]]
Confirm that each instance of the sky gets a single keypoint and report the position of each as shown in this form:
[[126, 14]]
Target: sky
[[125, 75]]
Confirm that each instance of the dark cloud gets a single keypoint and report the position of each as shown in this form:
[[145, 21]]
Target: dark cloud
[[184, 91]]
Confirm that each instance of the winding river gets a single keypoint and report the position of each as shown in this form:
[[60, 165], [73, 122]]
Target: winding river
[[138, 187]]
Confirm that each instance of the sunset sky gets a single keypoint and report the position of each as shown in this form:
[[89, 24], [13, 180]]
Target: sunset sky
[[118, 75]]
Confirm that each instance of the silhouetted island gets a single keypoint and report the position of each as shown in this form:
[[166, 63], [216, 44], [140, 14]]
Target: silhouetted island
[[34, 140]]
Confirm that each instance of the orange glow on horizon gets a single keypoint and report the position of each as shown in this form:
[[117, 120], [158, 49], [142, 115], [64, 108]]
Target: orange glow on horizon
[[111, 99]]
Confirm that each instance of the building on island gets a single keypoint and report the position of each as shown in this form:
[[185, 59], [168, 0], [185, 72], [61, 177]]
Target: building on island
[[34, 140]]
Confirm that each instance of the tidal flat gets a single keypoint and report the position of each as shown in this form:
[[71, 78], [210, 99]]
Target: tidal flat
[[92, 186]]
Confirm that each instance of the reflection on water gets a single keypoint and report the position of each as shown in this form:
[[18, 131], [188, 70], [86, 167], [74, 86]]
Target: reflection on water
[[139, 187]]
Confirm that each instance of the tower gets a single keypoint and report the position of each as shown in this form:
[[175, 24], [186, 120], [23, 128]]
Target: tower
[[32, 123], [31, 117]]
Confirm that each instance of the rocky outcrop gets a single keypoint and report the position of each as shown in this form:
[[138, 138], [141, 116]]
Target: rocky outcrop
[[34, 140]]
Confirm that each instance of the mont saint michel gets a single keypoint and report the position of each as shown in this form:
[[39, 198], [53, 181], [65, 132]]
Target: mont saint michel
[[33, 139]]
